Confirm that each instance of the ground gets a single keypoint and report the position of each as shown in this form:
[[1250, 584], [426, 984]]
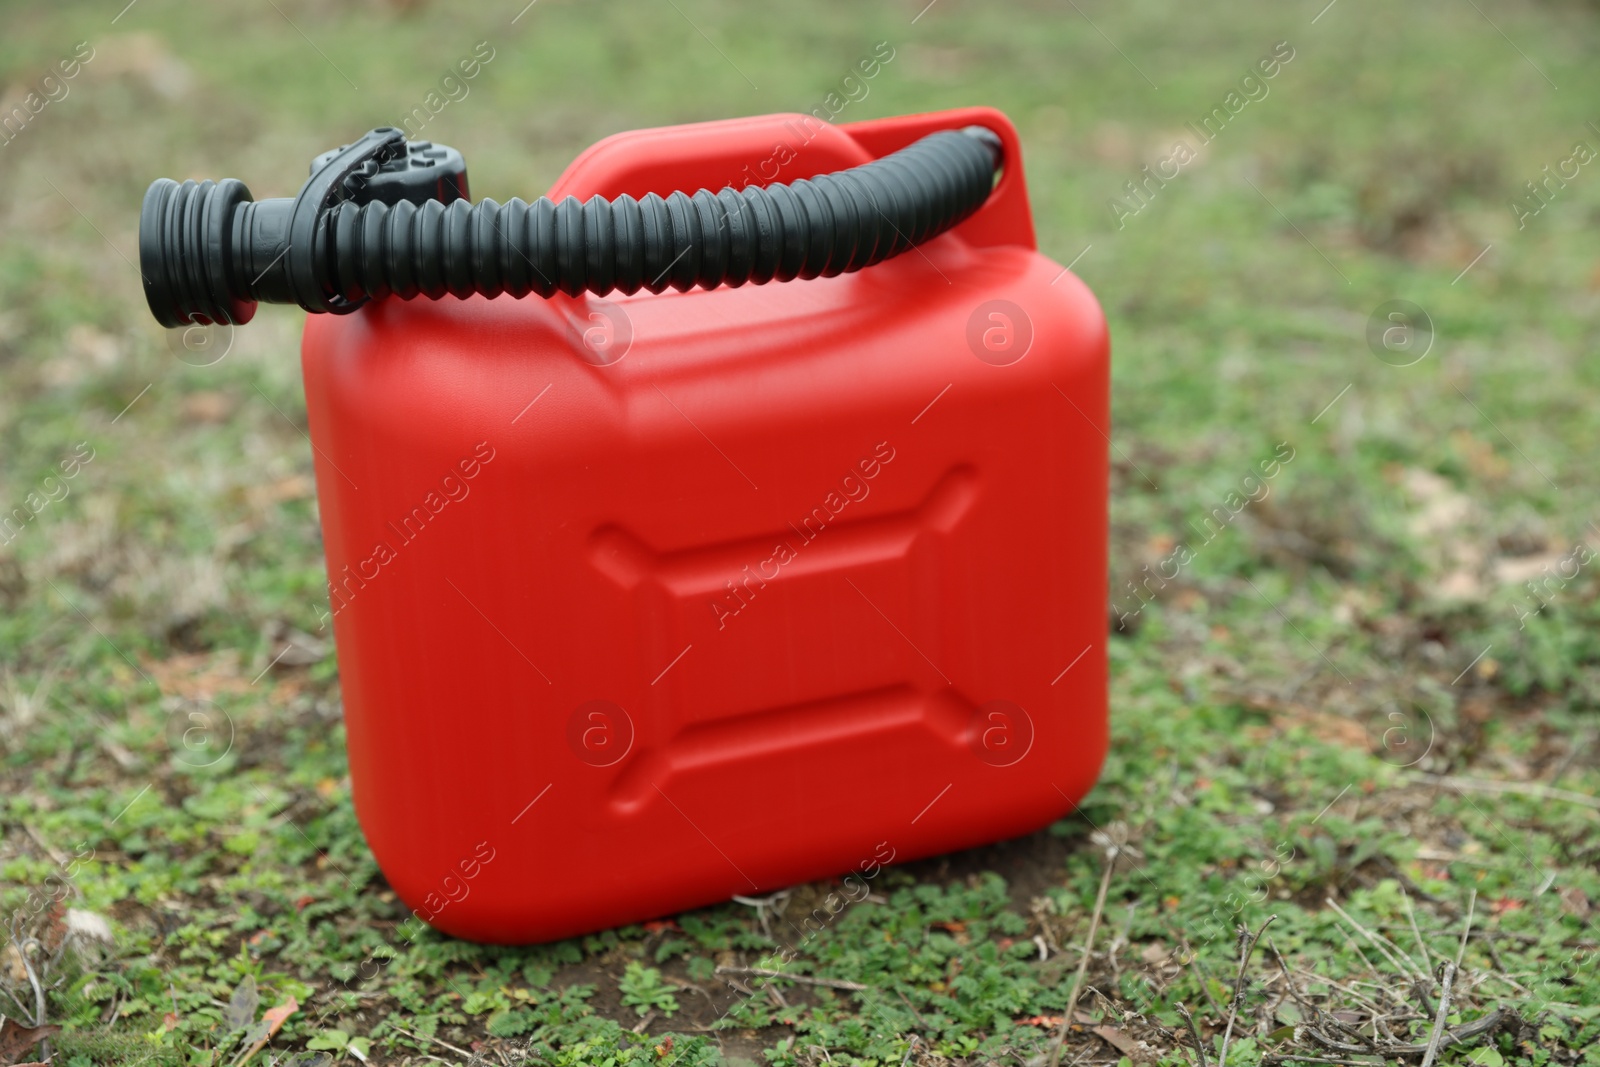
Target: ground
[[1359, 703]]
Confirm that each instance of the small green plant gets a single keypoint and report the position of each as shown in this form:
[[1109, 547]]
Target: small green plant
[[643, 990], [339, 1041]]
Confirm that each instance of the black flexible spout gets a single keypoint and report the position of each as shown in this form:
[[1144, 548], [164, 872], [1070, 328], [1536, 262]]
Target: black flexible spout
[[209, 253]]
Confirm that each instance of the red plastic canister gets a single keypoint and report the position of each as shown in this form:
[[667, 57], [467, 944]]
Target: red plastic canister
[[645, 602]]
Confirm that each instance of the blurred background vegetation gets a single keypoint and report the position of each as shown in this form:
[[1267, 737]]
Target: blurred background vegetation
[[1353, 692]]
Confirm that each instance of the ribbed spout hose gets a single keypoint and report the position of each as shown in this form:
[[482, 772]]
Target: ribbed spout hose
[[209, 253]]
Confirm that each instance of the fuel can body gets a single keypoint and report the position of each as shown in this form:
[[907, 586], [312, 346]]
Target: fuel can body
[[645, 602]]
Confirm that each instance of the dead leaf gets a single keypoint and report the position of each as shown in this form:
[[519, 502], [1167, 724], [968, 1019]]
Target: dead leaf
[[87, 926], [16, 1038], [54, 931], [1121, 1041], [255, 1032], [1575, 901], [289, 647], [273, 1020], [241, 1010], [1046, 1021], [15, 971], [276, 1017], [1155, 953]]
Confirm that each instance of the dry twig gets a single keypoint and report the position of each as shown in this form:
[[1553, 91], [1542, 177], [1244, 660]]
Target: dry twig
[[1527, 789], [1450, 970], [442, 1044], [1188, 956], [1421, 987], [1380, 944], [803, 979], [1247, 947], [1476, 1028], [1083, 963], [1194, 1032]]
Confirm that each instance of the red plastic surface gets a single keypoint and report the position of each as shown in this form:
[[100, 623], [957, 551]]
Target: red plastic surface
[[797, 585]]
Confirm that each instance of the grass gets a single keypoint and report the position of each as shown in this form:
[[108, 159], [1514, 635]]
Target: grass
[[1349, 694]]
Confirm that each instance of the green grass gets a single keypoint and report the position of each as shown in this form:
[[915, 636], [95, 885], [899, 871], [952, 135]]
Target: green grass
[[1315, 707]]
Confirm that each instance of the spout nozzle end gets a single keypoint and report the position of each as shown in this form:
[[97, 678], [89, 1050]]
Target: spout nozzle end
[[185, 252], [990, 140]]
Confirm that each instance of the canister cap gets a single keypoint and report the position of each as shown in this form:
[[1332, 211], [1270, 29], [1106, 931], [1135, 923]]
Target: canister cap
[[427, 171]]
